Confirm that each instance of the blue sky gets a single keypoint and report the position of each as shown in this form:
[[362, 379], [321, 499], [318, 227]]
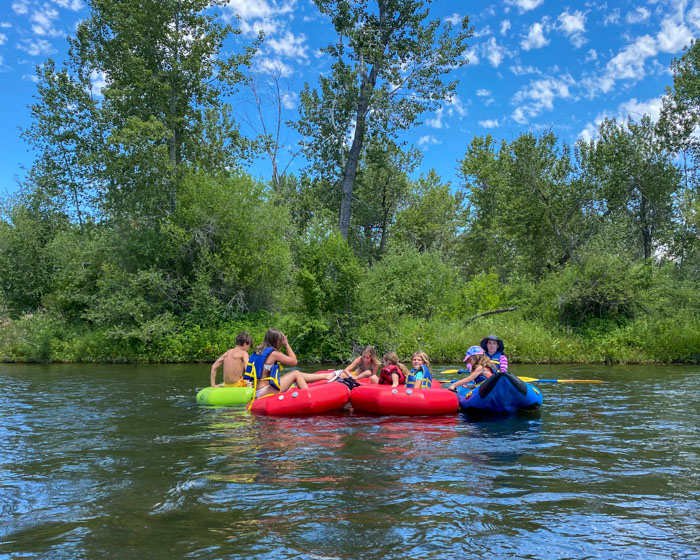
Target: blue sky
[[533, 65]]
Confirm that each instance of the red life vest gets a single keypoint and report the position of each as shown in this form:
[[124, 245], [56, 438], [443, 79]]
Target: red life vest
[[385, 375]]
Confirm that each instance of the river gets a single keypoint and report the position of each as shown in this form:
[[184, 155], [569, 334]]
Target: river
[[102, 461]]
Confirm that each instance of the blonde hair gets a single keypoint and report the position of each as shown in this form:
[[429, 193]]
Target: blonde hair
[[423, 356], [477, 360], [393, 358], [373, 354]]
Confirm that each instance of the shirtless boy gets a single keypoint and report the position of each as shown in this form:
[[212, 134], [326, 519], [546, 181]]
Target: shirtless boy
[[234, 361]]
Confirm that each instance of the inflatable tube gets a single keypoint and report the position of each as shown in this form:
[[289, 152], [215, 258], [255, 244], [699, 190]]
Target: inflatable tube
[[225, 396], [383, 399], [318, 398], [502, 393]]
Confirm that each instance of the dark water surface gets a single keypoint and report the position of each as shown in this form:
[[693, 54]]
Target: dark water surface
[[119, 462]]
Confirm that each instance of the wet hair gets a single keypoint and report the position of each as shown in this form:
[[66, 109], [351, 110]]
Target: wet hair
[[244, 338], [393, 358], [274, 338], [373, 354], [423, 356]]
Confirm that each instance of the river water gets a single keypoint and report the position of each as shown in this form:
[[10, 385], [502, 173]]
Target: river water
[[119, 462]]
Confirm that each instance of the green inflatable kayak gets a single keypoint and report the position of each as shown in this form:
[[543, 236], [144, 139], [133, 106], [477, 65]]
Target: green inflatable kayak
[[225, 396]]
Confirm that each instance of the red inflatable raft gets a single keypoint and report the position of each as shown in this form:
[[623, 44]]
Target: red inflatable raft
[[319, 397], [384, 399]]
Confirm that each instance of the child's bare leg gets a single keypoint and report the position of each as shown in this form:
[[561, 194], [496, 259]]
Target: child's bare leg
[[294, 376], [374, 379], [366, 373]]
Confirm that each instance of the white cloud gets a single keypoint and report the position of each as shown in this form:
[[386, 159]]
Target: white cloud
[[73, 5], [494, 52], [483, 92], [573, 25], [453, 108], [5, 25], [639, 15], [612, 18], [673, 37], [290, 100], [272, 65], [427, 140], [43, 20], [490, 123], [21, 7], [31, 77], [520, 70], [3, 38], [539, 96], [632, 108], [258, 15], [591, 55], [505, 26], [454, 19], [535, 38], [98, 81], [524, 5], [290, 45], [36, 47]]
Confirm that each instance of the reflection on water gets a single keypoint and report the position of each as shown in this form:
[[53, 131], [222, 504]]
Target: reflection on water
[[119, 462]]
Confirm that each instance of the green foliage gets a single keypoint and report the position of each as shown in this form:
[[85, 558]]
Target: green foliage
[[328, 275], [409, 283], [432, 216]]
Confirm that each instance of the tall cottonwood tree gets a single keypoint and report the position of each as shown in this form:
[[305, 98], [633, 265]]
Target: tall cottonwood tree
[[390, 64], [163, 80]]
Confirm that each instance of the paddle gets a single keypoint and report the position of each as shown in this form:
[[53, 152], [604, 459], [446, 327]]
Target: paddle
[[532, 379]]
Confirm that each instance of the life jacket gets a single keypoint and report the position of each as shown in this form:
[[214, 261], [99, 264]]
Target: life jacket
[[495, 361], [255, 368], [421, 378], [385, 375]]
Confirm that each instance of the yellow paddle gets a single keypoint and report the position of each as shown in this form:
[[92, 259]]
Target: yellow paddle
[[534, 379]]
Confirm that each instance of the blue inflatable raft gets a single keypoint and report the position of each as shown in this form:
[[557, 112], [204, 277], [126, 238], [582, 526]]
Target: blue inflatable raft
[[502, 393]]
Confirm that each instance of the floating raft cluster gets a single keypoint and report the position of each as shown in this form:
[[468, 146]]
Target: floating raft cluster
[[502, 393]]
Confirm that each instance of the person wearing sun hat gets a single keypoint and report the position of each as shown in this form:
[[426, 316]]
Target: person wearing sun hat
[[478, 367], [493, 347]]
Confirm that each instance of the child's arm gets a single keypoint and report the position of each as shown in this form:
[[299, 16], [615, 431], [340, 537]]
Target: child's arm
[[463, 381], [214, 367], [503, 363], [352, 366], [394, 379]]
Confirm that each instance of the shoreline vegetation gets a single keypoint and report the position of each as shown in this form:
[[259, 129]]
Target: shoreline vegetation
[[41, 339], [139, 234]]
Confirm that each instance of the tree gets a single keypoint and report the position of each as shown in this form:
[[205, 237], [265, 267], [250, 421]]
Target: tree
[[637, 179], [382, 188], [530, 208], [389, 67], [163, 80], [680, 118], [431, 219]]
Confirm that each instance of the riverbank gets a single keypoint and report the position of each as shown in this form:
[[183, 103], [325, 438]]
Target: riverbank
[[47, 339]]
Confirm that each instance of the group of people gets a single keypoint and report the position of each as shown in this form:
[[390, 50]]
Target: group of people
[[262, 369]]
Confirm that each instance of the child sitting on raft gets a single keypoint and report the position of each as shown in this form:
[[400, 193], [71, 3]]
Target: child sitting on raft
[[393, 373], [234, 361], [420, 376], [480, 365], [266, 362], [365, 365]]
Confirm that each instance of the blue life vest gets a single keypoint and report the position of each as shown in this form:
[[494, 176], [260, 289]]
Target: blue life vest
[[421, 378], [495, 361], [255, 368]]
